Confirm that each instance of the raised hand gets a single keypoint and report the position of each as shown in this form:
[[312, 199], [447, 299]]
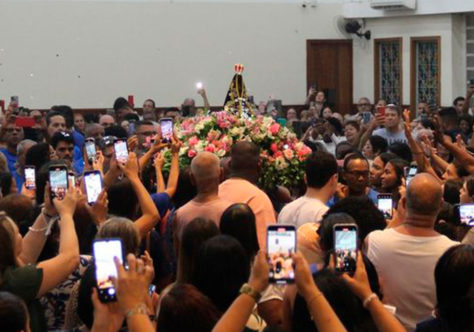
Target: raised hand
[[132, 285], [359, 283], [67, 205], [132, 142], [130, 168], [260, 272], [159, 161], [99, 210], [303, 277]]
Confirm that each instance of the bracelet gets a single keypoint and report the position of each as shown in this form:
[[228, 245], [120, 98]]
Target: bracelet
[[37, 230], [313, 298], [139, 309], [369, 299]]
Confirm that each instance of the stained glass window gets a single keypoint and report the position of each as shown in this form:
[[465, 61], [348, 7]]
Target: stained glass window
[[389, 73], [427, 71]]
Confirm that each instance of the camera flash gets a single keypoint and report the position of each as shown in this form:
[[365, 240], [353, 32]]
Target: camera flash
[[199, 85]]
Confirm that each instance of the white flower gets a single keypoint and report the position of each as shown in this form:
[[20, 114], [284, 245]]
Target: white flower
[[198, 127], [280, 163]]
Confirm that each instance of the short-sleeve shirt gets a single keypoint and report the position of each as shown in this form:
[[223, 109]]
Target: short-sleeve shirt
[[398, 137], [242, 191], [25, 283]]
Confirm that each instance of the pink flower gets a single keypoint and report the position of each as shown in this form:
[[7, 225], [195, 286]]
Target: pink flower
[[274, 147], [192, 153], [274, 128], [193, 141], [288, 154], [210, 148]]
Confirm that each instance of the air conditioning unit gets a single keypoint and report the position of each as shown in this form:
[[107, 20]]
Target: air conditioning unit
[[393, 4]]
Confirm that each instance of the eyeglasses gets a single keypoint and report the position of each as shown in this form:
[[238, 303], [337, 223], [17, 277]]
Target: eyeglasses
[[364, 174], [361, 105], [11, 130], [147, 133]]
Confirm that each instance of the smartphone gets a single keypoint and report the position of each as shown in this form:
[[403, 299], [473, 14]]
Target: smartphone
[[121, 150], [90, 149], [471, 82], [466, 214], [385, 205], [30, 177], [151, 289], [313, 86], [365, 117], [72, 179], [345, 247], [199, 86], [131, 100], [166, 129], [281, 245], [25, 121], [93, 184], [412, 170], [104, 251], [58, 181], [381, 110], [15, 102]]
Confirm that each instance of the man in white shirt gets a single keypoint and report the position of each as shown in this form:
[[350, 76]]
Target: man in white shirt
[[321, 181], [405, 256], [392, 131]]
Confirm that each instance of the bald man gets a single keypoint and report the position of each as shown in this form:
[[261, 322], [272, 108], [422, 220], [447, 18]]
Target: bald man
[[107, 120], [205, 175], [405, 256], [241, 187]]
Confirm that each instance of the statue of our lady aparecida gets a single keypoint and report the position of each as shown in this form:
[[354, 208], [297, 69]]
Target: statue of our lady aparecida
[[237, 101]]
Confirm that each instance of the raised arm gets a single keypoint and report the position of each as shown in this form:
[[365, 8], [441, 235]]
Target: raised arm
[[174, 169], [236, 317], [150, 214], [155, 148], [207, 105], [34, 240], [470, 92], [359, 284], [160, 182], [376, 121], [57, 269], [319, 308]]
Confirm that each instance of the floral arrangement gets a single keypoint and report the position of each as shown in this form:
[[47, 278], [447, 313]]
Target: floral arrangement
[[282, 154]]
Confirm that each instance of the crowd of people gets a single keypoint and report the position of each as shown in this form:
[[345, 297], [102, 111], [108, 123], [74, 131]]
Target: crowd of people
[[194, 238]]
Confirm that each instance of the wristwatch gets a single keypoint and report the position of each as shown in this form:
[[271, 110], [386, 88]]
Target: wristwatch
[[247, 289]]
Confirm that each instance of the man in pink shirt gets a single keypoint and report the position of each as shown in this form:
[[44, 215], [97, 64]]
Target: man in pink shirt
[[241, 188], [205, 174]]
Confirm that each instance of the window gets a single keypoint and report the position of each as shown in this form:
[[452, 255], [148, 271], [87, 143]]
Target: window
[[425, 70], [388, 70]]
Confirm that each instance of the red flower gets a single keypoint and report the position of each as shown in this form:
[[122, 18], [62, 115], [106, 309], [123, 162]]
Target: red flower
[[192, 153], [274, 128]]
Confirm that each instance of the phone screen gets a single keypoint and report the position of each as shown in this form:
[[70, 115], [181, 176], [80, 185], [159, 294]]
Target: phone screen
[[281, 244], [72, 180], [121, 150], [385, 205], [104, 252], [345, 247], [93, 183], [166, 129], [30, 177], [466, 214], [366, 117], [58, 181], [411, 174], [90, 150]]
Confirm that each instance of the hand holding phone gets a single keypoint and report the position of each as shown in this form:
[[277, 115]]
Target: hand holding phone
[[281, 245], [121, 150], [104, 251], [166, 125], [91, 151], [58, 181], [385, 205], [93, 184], [345, 247], [466, 214], [30, 177]]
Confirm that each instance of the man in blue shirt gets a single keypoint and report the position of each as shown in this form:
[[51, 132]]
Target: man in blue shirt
[[356, 176], [13, 135]]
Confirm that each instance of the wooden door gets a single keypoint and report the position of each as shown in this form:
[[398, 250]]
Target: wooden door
[[329, 67]]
